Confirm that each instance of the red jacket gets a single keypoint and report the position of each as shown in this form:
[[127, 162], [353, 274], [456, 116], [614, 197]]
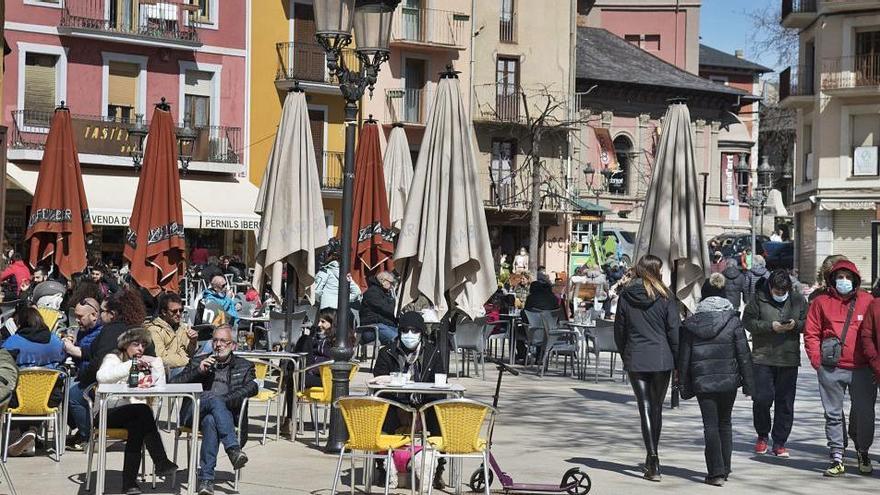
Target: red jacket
[[826, 317], [869, 336], [19, 270]]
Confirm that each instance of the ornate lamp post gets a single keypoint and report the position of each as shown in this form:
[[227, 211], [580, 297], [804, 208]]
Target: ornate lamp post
[[138, 130], [334, 20], [757, 197]]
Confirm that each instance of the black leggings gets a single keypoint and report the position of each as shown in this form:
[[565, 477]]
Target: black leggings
[[142, 431], [650, 389]]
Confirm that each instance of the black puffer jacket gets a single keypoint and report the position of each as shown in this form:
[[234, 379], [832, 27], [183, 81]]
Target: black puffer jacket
[[646, 330], [714, 353], [756, 279], [735, 286], [377, 305]]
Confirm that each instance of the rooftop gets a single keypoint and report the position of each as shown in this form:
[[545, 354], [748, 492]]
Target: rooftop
[[603, 56], [711, 57]]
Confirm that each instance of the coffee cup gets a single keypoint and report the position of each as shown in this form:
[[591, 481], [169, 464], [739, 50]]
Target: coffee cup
[[440, 379], [398, 379]]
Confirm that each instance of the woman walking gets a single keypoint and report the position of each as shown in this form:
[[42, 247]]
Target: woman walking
[[714, 362], [646, 333]]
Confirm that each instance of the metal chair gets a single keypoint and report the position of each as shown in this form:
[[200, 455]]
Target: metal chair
[[3, 469], [470, 338], [35, 386], [319, 397], [359, 338], [268, 372], [601, 339], [187, 431], [364, 416]]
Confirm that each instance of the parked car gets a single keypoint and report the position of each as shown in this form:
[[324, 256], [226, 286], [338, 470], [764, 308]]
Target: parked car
[[733, 245], [779, 255], [626, 243]]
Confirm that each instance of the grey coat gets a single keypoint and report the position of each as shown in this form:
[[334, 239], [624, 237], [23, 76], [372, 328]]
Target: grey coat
[[768, 347]]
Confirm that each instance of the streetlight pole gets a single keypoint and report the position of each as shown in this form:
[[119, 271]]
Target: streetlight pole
[[371, 20], [757, 198]]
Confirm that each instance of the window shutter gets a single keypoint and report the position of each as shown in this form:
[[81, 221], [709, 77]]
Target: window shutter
[[199, 82], [39, 76], [123, 84]]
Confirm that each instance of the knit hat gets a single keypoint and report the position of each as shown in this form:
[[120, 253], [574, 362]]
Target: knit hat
[[714, 286], [411, 319]]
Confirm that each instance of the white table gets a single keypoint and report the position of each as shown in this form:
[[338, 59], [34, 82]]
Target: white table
[[452, 390], [297, 359], [107, 390]]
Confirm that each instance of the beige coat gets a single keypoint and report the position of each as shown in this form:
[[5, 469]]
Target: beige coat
[[174, 347]]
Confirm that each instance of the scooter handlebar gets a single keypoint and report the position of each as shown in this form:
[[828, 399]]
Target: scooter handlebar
[[503, 366]]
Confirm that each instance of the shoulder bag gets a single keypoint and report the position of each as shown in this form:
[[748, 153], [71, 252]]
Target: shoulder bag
[[832, 347]]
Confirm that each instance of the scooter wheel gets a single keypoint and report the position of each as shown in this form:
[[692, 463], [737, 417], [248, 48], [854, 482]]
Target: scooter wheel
[[577, 481], [478, 480]]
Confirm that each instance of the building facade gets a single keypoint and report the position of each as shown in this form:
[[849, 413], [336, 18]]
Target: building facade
[[110, 61], [834, 90]]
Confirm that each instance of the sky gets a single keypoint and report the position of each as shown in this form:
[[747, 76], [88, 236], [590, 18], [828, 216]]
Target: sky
[[724, 25]]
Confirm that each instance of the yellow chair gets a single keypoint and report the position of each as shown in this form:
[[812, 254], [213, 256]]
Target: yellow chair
[[364, 416], [319, 397], [462, 424], [50, 317], [268, 372], [34, 388]]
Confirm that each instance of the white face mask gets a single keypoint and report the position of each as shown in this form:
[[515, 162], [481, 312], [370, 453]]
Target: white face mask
[[780, 299], [410, 340]]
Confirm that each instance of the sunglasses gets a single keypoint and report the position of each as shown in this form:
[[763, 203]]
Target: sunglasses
[[86, 302], [410, 330]]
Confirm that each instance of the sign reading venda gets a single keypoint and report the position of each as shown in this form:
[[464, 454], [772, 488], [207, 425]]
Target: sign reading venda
[[110, 219], [230, 223]]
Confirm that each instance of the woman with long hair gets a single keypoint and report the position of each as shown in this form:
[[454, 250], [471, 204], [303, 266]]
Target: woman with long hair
[[646, 333]]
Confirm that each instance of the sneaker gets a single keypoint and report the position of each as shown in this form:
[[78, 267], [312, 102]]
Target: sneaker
[[761, 446], [166, 468], [835, 470], [206, 487], [780, 451], [132, 490], [25, 446], [75, 443], [715, 480], [237, 458], [864, 463]]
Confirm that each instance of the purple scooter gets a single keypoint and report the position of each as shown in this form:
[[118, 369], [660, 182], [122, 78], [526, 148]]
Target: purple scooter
[[574, 481]]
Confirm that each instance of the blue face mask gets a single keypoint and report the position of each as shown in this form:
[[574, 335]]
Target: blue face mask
[[410, 340], [780, 299], [843, 286]]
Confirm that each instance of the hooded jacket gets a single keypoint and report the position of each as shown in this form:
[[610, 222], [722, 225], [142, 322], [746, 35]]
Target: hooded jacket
[[226, 303], [869, 336], [755, 279], [646, 330], [377, 306], [35, 347], [735, 286], [714, 351], [327, 287], [827, 315], [771, 348], [541, 297]]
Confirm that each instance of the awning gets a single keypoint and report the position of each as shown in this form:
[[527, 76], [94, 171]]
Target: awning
[[583, 205], [842, 204], [206, 204]]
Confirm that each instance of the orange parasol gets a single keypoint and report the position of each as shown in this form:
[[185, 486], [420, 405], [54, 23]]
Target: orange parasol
[[372, 245], [154, 244], [59, 220]]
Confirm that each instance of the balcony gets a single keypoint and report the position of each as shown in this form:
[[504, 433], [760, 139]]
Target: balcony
[[408, 106], [430, 28], [796, 86], [332, 167], [503, 187], [851, 76], [498, 102], [146, 22], [798, 14], [103, 141], [307, 63], [507, 28], [835, 6]]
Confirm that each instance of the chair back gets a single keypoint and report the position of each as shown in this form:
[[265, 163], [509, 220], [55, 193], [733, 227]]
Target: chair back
[[364, 417], [35, 385], [471, 334], [603, 338], [310, 310], [265, 370], [461, 422], [50, 317]]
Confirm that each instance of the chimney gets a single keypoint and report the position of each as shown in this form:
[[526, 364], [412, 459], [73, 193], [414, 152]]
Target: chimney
[[739, 53]]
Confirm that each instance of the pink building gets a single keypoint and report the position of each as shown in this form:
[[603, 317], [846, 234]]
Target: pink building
[[110, 61]]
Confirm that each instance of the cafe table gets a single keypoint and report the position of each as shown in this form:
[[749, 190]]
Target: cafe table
[[106, 391], [297, 360], [449, 390]]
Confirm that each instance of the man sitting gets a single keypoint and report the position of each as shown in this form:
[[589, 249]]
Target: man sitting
[[227, 380], [219, 296], [86, 312], [174, 340]]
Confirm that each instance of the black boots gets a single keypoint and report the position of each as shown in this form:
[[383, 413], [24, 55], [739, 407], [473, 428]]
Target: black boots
[[652, 468]]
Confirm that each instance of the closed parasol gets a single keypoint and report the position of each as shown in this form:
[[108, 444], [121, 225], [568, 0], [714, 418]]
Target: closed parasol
[[398, 174]]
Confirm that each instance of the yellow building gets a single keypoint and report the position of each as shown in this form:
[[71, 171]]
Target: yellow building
[[283, 50]]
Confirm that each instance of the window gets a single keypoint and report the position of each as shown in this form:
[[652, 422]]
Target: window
[[722, 80], [197, 98], [122, 89], [867, 71], [203, 12], [647, 42], [506, 89], [807, 145], [40, 95], [503, 171], [618, 181], [507, 22]]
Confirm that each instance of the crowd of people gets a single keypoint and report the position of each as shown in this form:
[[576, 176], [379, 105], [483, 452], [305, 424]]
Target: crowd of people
[[707, 355]]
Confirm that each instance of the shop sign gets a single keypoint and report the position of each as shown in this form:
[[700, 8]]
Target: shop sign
[[230, 223], [110, 219], [607, 156], [97, 137]]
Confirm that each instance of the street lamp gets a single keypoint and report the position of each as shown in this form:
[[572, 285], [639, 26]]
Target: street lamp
[[334, 20], [186, 138], [138, 131], [757, 197]]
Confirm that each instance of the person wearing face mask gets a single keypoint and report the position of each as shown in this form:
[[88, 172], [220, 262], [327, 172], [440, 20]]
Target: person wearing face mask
[[775, 318], [831, 339]]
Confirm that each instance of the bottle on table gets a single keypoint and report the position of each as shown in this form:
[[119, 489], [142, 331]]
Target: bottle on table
[[133, 374]]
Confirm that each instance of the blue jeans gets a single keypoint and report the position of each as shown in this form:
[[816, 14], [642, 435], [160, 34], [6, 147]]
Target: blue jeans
[[217, 425], [387, 333], [79, 416]]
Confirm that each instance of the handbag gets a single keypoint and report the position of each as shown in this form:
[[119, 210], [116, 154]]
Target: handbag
[[832, 347]]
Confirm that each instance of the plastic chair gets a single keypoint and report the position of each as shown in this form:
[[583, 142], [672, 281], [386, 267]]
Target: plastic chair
[[471, 337], [461, 436], [359, 337], [275, 329], [266, 371], [364, 416], [120, 434], [34, 388], [183, 430], [601, 339], [319, 397], [535, 336]]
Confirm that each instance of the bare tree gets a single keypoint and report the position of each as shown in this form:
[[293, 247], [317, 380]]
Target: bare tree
[[769, 35]]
